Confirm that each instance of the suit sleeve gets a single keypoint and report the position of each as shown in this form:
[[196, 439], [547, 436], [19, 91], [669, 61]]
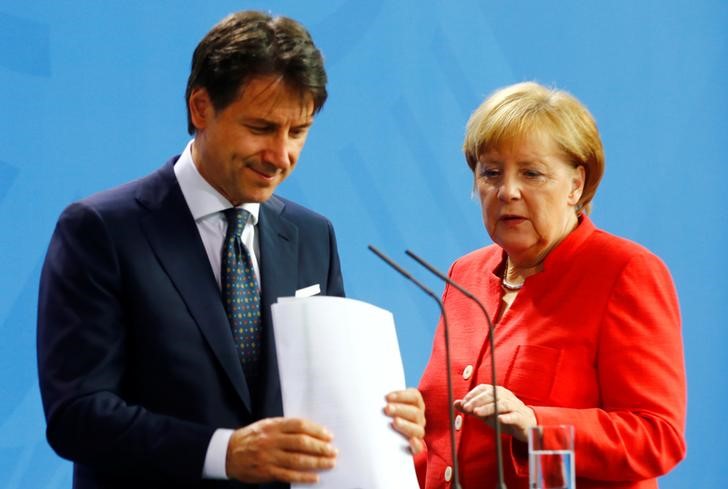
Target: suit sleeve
[[335, 278], [82, 349], [638, 431]]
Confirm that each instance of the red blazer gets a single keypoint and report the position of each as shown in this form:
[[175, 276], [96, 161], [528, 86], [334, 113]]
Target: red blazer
[[593, 340]]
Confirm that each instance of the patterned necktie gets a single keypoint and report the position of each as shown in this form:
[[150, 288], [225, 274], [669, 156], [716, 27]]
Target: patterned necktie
[[241, 294]]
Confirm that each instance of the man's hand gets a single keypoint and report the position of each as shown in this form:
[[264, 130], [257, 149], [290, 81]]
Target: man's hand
[[407, 410], [280, 449]]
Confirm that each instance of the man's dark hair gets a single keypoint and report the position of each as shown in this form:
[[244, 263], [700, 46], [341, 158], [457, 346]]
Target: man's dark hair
[[249, 44]]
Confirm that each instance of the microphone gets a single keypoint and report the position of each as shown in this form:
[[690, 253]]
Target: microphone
[[451, 408], [491, 329]]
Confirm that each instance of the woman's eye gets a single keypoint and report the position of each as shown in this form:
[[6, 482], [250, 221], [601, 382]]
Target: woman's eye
[[532, 173], [489, 173]]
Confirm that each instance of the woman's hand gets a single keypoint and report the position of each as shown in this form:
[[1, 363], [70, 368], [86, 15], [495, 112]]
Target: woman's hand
[[514, 416], [407, 410]]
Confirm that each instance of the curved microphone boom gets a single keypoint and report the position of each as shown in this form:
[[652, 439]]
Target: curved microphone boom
[[491, 328], [451, 410]]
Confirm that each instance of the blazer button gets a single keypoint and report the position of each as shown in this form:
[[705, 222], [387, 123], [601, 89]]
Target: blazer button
[[468, 372], [448, 474], [458, 422]]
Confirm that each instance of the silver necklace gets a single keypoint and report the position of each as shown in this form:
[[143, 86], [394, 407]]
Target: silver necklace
[[508, 285]]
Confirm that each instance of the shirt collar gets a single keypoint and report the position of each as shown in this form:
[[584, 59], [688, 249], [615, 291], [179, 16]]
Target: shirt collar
[[202, 198]]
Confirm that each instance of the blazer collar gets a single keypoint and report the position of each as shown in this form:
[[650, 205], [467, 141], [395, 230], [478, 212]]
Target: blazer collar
[[278, 238], [173, 236]]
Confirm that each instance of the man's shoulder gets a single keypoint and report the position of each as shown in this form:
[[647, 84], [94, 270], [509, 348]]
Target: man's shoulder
[[129, 195], [293, 211], [120, 206]]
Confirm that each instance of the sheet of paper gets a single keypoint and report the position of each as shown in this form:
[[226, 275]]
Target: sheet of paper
[[337, 359]]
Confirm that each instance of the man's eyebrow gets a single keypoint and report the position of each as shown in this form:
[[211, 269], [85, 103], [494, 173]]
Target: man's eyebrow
[[259, 120], [270, 122]]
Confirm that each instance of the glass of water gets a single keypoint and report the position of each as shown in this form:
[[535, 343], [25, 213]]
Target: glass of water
[[551, 457]]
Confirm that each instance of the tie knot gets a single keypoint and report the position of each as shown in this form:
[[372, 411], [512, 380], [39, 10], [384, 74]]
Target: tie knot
[[236, 219]]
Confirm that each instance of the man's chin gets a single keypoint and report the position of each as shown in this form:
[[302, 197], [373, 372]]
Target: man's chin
[[257, 197]]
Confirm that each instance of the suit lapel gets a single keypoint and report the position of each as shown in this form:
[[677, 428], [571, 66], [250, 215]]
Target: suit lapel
[[278, 239], [174, 237]]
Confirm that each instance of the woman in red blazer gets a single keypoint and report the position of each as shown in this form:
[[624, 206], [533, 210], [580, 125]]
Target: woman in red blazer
[[587, 325]]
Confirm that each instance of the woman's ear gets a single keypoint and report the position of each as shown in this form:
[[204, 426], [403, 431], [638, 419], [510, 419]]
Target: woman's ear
[[577, 185]]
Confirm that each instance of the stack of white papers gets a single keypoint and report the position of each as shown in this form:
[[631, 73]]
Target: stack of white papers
[[338, 358]]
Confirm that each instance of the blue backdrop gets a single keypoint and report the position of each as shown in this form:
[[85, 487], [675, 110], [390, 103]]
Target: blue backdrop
[[92, 96]]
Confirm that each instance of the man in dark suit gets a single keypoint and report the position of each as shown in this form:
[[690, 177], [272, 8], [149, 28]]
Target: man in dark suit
[[150, 374]]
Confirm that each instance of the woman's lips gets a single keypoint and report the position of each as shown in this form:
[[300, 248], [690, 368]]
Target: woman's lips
[[511, 219]]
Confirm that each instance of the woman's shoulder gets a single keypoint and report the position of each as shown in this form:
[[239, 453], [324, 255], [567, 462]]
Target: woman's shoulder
[[488, 256], [610, 249], [618, 244]]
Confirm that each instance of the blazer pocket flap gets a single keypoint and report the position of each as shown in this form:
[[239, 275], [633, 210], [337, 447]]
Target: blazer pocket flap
[[533, 371]]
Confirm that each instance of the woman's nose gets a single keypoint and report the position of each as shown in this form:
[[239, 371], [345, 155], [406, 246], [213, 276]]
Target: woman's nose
[[509, 189]]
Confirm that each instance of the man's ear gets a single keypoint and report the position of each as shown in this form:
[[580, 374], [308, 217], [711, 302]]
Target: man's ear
[[201, 109]]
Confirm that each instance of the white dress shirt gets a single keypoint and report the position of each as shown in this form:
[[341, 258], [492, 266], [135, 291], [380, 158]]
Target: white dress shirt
[[207, 206]]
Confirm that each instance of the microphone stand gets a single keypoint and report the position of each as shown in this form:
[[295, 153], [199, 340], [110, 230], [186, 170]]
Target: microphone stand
[[451, 409], [491, 329]]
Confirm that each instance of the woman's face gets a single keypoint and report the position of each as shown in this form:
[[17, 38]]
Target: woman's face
[[528, 193]]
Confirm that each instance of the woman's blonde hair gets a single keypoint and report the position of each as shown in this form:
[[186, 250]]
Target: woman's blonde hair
[[512, 113]]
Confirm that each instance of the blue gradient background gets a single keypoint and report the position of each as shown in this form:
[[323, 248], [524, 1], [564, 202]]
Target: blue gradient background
[[92, 96]]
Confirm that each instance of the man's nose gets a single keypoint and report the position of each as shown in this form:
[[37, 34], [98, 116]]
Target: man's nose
[[277, 151]]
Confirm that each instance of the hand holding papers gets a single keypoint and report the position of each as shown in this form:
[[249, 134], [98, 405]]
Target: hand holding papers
[[338, 358]]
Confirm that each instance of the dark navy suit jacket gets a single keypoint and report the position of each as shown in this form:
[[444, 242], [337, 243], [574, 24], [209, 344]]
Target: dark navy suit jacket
[[135, 355]]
